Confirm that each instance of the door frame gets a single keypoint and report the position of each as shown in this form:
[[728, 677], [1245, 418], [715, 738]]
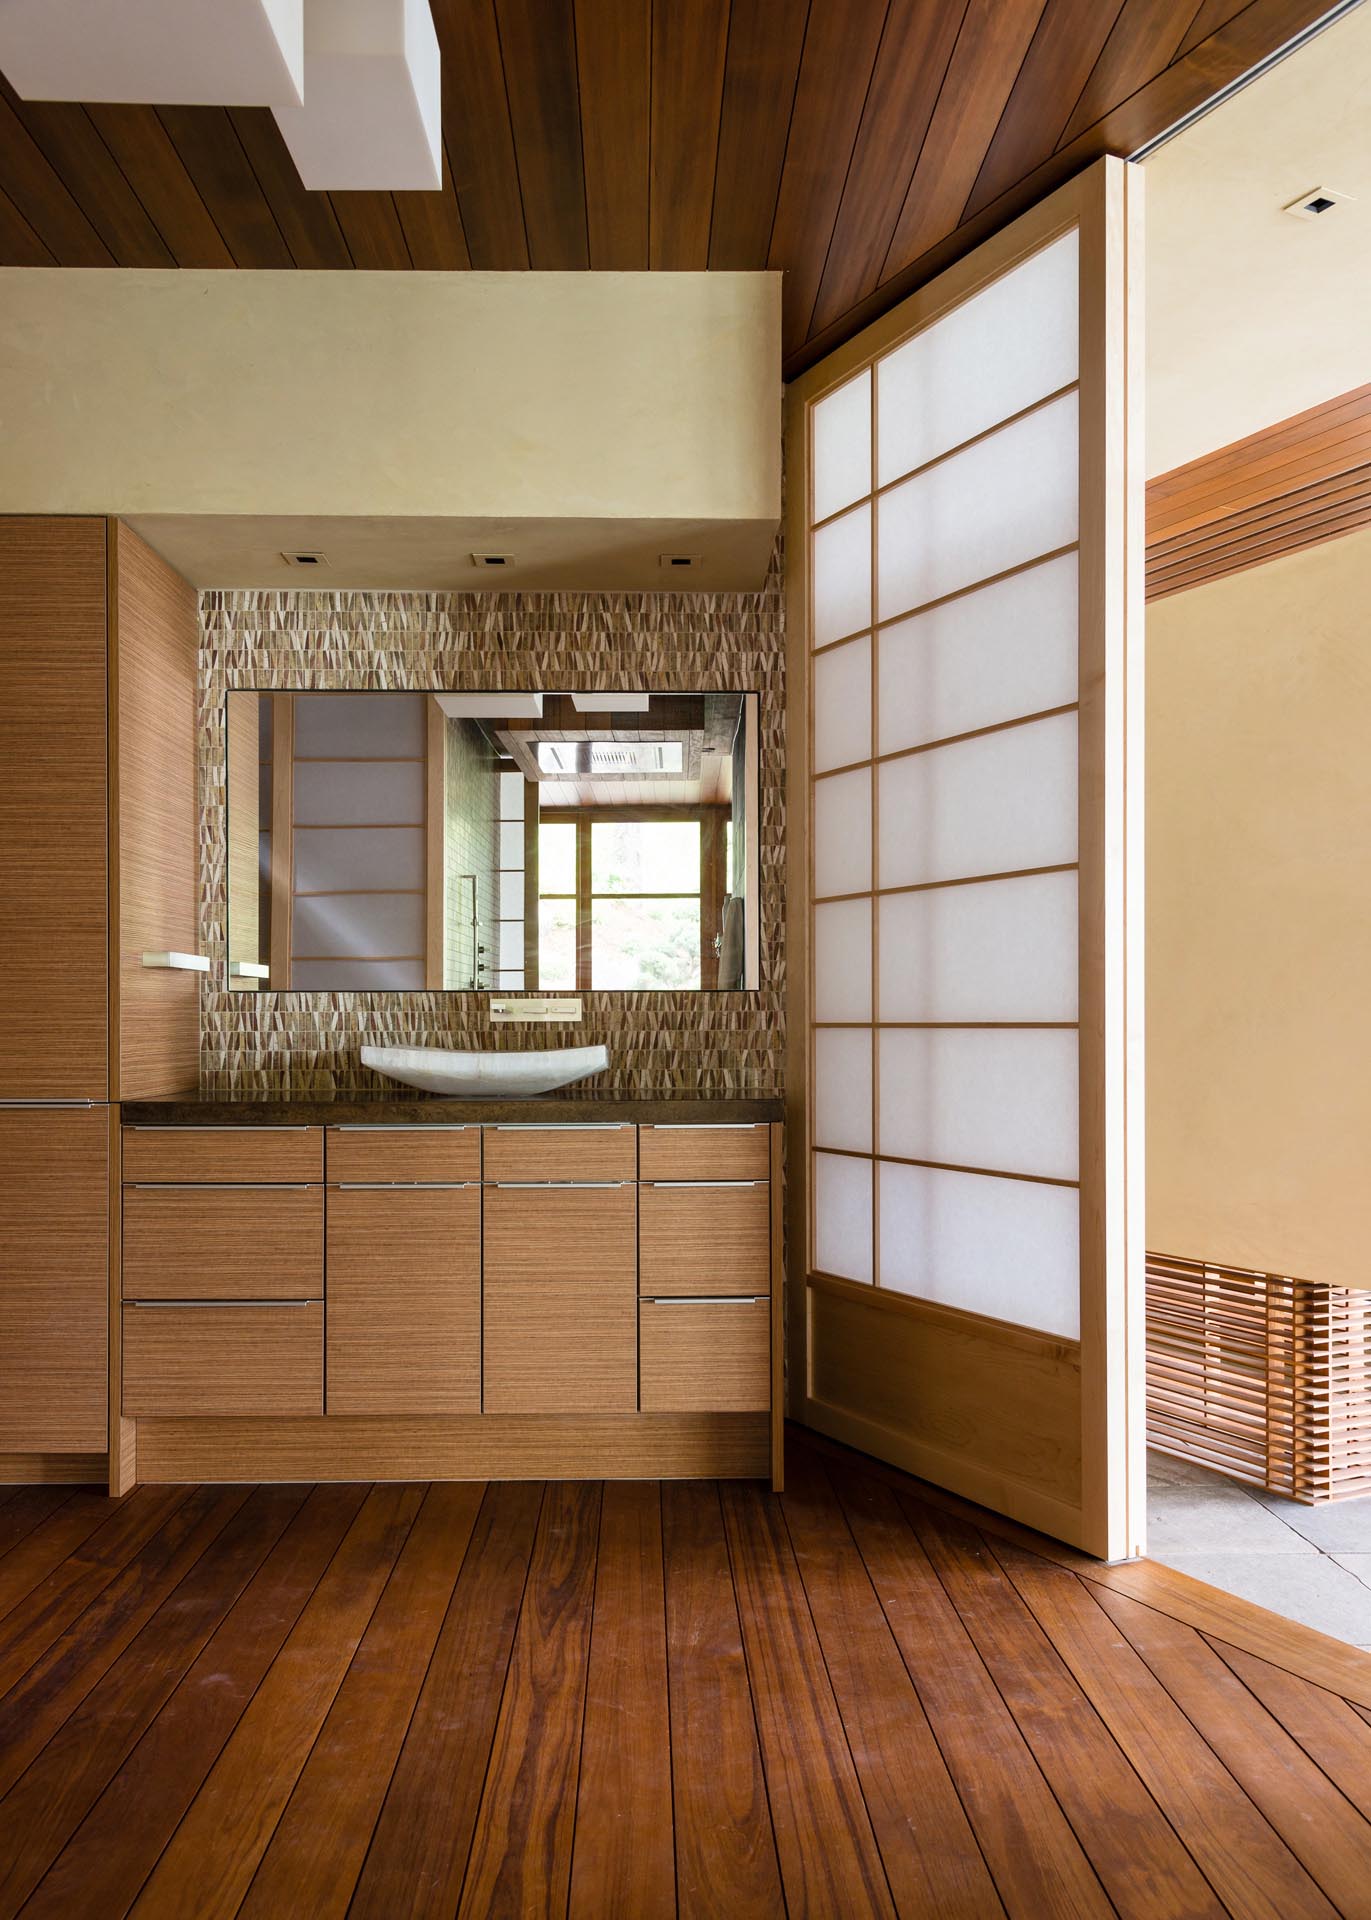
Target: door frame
[[1104, 1510]]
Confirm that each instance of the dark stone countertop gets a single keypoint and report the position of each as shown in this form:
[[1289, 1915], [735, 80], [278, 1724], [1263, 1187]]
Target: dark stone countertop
[[420, 1109]]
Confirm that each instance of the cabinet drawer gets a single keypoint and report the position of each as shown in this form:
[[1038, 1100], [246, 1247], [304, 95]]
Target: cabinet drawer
[[590, 1152], [223, 1243], [224, 1359], [705, 1356], [404, 1300], [223, 1153], [704, 1153], [404, 1155], [561, 1306], [704, 1239]]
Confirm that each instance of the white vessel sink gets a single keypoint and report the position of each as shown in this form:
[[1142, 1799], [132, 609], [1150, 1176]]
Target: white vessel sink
[[486, 1076]]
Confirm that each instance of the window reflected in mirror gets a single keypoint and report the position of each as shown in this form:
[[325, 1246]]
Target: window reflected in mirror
[[556, 843]]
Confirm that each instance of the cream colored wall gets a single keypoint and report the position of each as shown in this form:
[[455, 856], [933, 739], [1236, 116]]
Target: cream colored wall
[[517, 396], [1259, 918]]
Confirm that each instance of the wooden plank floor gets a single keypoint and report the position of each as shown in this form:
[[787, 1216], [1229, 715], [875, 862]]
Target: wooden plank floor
[[864, 1698]]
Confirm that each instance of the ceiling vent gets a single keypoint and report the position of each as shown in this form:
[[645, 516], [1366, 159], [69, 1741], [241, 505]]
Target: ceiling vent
[[497, 560], [680, 562], [1314, 204], [302, 559]]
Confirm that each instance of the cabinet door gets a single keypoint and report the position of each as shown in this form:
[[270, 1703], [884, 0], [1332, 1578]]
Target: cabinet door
[[561, 1299], [223, 1243], [404, 1300], [249, 1357], [54, 1281], [705, 1238], [54, 810]]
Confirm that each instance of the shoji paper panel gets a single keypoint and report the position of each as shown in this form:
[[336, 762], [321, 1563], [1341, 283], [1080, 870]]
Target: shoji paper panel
[[842, 833], [842, 1216], [996, 654], [842, 447], [997, 353], [996, 804], [842, 960], [842, 1089], [842, 706], [842, 576], [994, 950], [352, 859], [350, 792], [1009, 498], [1005, 1099], [1007, 1248]]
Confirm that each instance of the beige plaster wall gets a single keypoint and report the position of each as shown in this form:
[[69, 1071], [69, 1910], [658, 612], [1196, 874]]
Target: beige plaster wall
[[1259, 918]]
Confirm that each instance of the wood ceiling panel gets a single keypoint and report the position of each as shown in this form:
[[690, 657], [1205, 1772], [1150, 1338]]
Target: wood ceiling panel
[[858, 145], [480, 139], [835, 77], [689, 49], [76, 153], [213, 156], [911, 65], [538, 43], [140, 146], [614, 77], [307, 221], [765, 41]]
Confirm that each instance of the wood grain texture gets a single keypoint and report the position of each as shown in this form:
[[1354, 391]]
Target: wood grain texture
[[1290, 486], [243, 830], [223, 1243], [590, 1152], [560, 1290], [65, 135], [689, 45], [703, 1153], [710, 1358], [228, 1154], [54, 1282], [54, 810], [726, 1861], [155, 632], [404, 1301], [624, 1860], [223, 1360], [521, 1855], [404, 1154], [704, 1239]]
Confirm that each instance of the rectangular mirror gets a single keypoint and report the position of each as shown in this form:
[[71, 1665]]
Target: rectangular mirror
[[540, 842]]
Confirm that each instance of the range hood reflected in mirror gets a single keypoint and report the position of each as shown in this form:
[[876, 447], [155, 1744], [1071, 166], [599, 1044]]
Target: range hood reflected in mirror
[[539, 842]]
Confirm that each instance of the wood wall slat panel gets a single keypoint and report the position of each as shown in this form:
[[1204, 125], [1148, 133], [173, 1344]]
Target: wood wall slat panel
[[614, 78]]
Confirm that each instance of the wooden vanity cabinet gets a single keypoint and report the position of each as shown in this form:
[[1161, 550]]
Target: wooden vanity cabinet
[[706, 1356], [561, 1309], [404, 1299]]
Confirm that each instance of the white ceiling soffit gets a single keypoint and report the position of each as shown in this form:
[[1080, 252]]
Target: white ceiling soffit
[[372, 111], [193, 53], [1253, 316], [612, 702], [495, 706]]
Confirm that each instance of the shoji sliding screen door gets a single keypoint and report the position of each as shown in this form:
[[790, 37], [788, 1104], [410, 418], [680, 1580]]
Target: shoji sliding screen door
[[965, 882]]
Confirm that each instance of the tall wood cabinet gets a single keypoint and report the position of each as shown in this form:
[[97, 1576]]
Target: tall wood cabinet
[[98, 641]]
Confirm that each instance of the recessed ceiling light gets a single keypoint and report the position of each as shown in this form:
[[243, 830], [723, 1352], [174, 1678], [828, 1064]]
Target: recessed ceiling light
[[1314, 204], [679, 562], [192, 53], [300, 558], [372, 104], [492, 559]]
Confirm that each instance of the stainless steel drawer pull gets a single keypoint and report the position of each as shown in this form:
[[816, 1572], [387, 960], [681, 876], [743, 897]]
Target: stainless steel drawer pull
[[557, 1186], [707, 1300], [402, 1186], [401, 1127], [707, 1183], [264, 1126], [561, 1126], [182, 1306], [29, 1106], [705, 1126], [222, 1186]]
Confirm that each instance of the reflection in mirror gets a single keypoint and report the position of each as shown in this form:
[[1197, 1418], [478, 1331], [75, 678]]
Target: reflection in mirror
[[510, 841]]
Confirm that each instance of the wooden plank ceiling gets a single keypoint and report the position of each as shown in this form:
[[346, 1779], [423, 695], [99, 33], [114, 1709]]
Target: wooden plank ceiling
[[859, 145]]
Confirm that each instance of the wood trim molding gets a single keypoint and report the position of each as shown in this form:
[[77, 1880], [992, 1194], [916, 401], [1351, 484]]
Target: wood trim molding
[[1293, 485]]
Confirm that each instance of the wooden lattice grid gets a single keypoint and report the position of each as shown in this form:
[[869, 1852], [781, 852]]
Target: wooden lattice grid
[[1264, 1378]]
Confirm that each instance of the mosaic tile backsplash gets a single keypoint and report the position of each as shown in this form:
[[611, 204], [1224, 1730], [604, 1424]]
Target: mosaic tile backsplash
[[659, 1043]]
